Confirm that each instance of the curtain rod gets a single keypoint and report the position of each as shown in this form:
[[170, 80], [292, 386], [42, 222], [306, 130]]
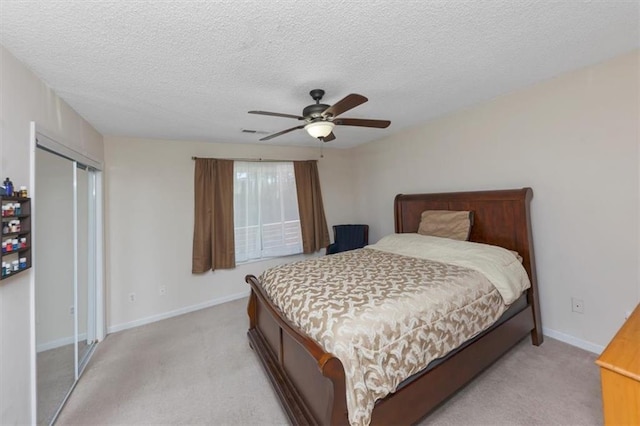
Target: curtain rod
[[257, 160]]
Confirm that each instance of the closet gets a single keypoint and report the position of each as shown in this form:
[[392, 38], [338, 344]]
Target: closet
[[67, 264]]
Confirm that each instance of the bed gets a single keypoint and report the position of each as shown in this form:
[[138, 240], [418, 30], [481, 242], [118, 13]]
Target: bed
[[311, 383]]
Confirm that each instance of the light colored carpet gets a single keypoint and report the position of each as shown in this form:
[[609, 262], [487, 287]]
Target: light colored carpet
[[198, 369], [56, 375]]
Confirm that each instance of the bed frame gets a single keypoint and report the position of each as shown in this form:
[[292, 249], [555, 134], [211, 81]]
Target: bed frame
[[310, 383]]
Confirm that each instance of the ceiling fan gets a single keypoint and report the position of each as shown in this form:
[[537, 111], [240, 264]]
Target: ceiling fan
[[320, 119]]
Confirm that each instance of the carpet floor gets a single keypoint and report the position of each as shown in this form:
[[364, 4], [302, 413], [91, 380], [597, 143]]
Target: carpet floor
[[56, 375], [198, 369]]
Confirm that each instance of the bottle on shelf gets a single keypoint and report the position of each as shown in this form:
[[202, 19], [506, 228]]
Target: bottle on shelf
[[8, 187]]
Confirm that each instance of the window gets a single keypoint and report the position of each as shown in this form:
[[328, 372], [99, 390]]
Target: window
[[266, 217]]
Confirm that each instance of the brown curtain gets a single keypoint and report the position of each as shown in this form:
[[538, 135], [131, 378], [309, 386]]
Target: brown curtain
[[315, 234], [213, 240]]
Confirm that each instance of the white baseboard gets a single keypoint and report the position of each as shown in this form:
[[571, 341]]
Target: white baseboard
[[58, 343], [181, 311], [573, 341]]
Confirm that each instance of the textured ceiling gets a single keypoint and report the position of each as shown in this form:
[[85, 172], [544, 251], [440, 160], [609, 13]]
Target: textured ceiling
[[192, 69]]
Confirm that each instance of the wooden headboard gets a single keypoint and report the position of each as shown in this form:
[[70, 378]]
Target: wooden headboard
[[501, 218]]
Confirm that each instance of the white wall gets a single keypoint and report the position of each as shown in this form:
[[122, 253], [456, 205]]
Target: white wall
[[25, 98], [150, 219], [574, 140]]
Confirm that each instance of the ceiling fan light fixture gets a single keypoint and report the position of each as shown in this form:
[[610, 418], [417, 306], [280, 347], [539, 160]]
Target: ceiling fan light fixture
[[320, 129]]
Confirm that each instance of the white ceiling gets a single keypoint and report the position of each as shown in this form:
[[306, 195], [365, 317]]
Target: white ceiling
[[191, 70]]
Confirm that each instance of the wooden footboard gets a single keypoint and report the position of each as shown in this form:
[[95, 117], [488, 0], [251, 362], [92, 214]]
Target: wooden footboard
[[309, 382]]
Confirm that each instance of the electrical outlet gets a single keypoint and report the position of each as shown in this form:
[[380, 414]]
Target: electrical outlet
[[72, 310], [162, 290], [577, 305], [132, 297]]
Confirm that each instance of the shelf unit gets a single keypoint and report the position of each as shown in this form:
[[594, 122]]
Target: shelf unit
[[25, 232]]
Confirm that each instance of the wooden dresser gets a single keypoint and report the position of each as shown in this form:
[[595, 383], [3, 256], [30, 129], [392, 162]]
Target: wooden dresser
[[620, 373]]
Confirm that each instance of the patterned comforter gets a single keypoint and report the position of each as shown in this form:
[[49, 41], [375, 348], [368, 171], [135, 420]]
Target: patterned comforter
[[384, 315]]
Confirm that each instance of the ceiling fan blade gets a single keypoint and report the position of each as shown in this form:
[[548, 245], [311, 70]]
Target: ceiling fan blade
[[362, 122], [277, 114], [266, 138], [345, 104], [329, 137]]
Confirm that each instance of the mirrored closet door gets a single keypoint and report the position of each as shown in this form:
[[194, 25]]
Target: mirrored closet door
[[65, 276]]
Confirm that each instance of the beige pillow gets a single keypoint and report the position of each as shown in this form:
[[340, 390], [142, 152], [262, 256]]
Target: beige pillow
[[446, 223]]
